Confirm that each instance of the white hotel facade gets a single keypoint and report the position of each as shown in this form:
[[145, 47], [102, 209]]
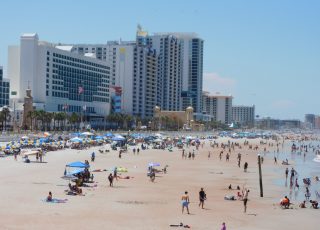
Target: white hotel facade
[[54, 74]]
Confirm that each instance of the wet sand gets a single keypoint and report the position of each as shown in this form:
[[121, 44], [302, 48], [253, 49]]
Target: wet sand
[[138, 203]]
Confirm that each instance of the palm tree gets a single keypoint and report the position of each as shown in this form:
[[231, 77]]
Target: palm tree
[[2, 119], [74, 118], [6, 114], [47, 120], [41, 116]]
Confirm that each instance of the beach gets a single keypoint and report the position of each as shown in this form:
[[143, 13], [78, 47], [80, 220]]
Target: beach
[[138, 203]]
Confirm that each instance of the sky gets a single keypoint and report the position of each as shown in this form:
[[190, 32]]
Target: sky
[[265, 53]]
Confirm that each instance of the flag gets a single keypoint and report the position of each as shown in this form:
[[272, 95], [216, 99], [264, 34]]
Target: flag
[[80, 89]]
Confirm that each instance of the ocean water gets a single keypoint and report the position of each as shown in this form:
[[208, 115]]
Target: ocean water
[[305, 167]]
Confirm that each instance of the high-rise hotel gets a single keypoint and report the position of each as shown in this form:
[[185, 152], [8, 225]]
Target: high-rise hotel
[[4, 89], [60, 80]]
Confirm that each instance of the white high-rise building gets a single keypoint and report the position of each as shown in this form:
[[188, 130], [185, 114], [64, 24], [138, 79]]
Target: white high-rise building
[[120, 57], [180, 69], [243, 115], [169, 70], [163, 69], [218, 106], [60, 79]]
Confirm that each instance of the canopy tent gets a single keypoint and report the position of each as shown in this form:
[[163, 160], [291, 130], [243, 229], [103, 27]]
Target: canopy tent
[[78, 164], [75, 172], [30, 153]]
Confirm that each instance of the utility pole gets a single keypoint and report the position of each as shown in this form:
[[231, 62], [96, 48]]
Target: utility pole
[[260, 175]]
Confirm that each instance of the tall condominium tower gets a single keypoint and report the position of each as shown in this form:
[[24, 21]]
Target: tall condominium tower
[[180, 69]]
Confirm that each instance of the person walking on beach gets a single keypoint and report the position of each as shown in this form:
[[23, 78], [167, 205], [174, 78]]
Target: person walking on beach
[[209, 154], [185, 202], [138, 151], [220, 155], [93, 156], [193, 155], [245, 166], [182, 154], [202, 197], [227, 157], [115, 173], [275, 160], [287, 172], [245, 199], [223, 227], [110, 178]]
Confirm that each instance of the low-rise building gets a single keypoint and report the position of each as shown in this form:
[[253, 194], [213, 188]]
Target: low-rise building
[[243, 115], [218, 106]]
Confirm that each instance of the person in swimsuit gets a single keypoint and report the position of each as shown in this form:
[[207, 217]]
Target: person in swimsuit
[[185, 201], [110, 178], [49, 197]]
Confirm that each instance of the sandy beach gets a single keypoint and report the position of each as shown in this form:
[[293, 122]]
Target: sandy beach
[[138, 203]]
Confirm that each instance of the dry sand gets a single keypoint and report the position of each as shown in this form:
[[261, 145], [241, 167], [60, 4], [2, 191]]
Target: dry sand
[[138, 203]]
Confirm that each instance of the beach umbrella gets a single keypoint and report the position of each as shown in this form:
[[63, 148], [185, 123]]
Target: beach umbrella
[[46, 134], [76, 139], [154, 164], [87, 134], [108, 135], [118, 138], [157, 140]]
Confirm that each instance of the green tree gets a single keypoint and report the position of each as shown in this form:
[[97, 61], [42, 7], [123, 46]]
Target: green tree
[[6, 113], [74, 118]]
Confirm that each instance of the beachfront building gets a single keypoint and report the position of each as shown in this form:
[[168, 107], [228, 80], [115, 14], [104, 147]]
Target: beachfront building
[[144, 81], [310, 120], [180, 69], [4, 89], [219, 107], [163, 69], [120, 57], [60, 80], [276, 124], [317, 122], [243, 115]]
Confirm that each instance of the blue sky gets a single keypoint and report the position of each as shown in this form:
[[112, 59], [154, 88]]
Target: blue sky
[[265, 53]]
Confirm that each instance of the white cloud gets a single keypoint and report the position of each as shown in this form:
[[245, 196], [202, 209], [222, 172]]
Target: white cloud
[[214, 83]]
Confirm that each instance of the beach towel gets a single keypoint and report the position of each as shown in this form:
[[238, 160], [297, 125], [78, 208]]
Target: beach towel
[[56, 201], [180, 225]]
